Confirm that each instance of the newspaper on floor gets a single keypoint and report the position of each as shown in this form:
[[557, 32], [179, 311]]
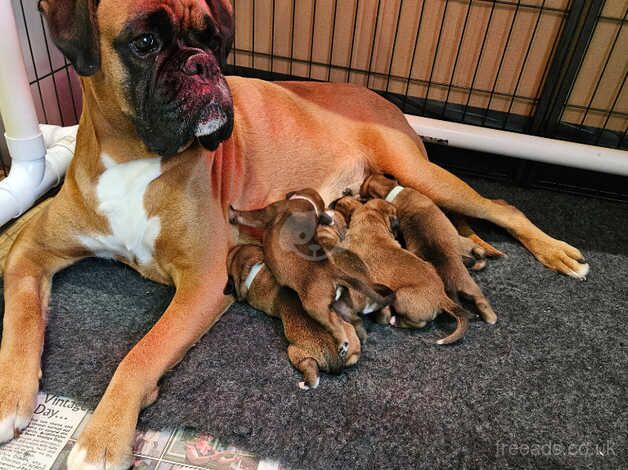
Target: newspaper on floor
[[57, 422]]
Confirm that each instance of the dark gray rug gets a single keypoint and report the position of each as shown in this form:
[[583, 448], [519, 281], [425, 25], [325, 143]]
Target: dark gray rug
[[545, 387]]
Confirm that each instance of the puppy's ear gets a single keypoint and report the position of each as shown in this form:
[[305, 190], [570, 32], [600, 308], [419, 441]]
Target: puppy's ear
[[222, 13], [72, 24], [229, 287]]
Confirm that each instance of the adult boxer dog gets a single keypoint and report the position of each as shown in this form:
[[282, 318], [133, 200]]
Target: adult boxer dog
[[155, 170]]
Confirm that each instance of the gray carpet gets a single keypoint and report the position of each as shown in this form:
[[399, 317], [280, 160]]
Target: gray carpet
[[541, 389]]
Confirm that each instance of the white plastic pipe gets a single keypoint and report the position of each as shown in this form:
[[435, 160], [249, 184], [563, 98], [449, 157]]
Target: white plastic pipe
[[31, 179], [34, 170], [559, 152]]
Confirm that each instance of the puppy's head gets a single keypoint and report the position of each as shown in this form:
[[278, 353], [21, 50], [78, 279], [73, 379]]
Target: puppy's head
[[239, 263], [310, 195], [388, 213], [155, 64], [346, 206], [377, 185]]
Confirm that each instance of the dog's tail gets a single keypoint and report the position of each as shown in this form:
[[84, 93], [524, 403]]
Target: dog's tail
[[462, 322]]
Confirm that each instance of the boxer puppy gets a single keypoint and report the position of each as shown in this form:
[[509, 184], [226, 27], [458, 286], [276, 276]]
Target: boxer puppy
[[350, 303], [419, 292], [146, 188], [296, 259], [311, 348], [429, 234]]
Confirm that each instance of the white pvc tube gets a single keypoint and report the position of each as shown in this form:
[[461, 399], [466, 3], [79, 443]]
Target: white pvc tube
[[24, 185], [23, 136], [33, 172], [559, 152]]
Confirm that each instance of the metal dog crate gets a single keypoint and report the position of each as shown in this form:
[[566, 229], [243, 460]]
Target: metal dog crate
[[554, 68]]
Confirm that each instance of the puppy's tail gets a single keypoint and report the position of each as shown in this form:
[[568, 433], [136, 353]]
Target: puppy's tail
[[462, 322]]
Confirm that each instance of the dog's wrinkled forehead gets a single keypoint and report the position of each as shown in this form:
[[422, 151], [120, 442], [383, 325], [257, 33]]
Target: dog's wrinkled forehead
[[185, 14]]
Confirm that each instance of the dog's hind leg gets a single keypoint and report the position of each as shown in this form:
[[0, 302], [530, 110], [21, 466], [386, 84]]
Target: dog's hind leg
[[329, 320], [399, 156], [305, 364]]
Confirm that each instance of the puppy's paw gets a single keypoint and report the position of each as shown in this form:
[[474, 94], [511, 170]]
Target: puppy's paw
[[559, 256], [18, 396], [304, 386], [343, 349]]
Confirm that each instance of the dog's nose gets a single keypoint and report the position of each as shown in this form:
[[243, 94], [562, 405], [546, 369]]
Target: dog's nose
[[200, 64]]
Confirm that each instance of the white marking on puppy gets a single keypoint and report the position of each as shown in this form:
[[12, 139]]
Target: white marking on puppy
[[581, 273], [304, 386], [11, 424], [370, 308], [77, 460], [120, 192], [339, 290]]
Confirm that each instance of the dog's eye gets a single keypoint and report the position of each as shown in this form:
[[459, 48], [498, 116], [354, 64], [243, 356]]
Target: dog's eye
[[145, 44]]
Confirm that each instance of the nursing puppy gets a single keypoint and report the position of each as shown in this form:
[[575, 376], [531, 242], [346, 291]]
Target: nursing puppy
[[166, 143], [419, 291], [297, 260], [428, 233], [311, 347], [351, 303]]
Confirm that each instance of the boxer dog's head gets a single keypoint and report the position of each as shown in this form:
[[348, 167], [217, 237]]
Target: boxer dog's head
[[155, 64]]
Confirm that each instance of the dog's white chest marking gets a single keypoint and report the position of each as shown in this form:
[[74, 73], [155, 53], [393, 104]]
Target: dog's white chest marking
[[120, 193]]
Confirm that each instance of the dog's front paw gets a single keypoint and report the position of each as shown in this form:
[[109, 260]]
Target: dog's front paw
[[18, 395], [559, 256], [105, 444]]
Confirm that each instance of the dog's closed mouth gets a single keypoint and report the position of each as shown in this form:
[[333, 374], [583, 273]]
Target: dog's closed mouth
[[212, 133]]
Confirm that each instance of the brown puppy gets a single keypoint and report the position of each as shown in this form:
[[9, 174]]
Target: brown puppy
[[419, 292], [159, 159], [428, 233], [311, 347], [297, 260], [350, 303]]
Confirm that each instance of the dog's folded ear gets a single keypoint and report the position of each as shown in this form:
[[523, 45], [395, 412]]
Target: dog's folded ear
[[222, 13], [72, 24]]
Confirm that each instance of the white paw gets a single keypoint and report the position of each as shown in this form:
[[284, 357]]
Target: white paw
[[580, 273], [11, 426], [77, 460], [393, 320], [304, 386]]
